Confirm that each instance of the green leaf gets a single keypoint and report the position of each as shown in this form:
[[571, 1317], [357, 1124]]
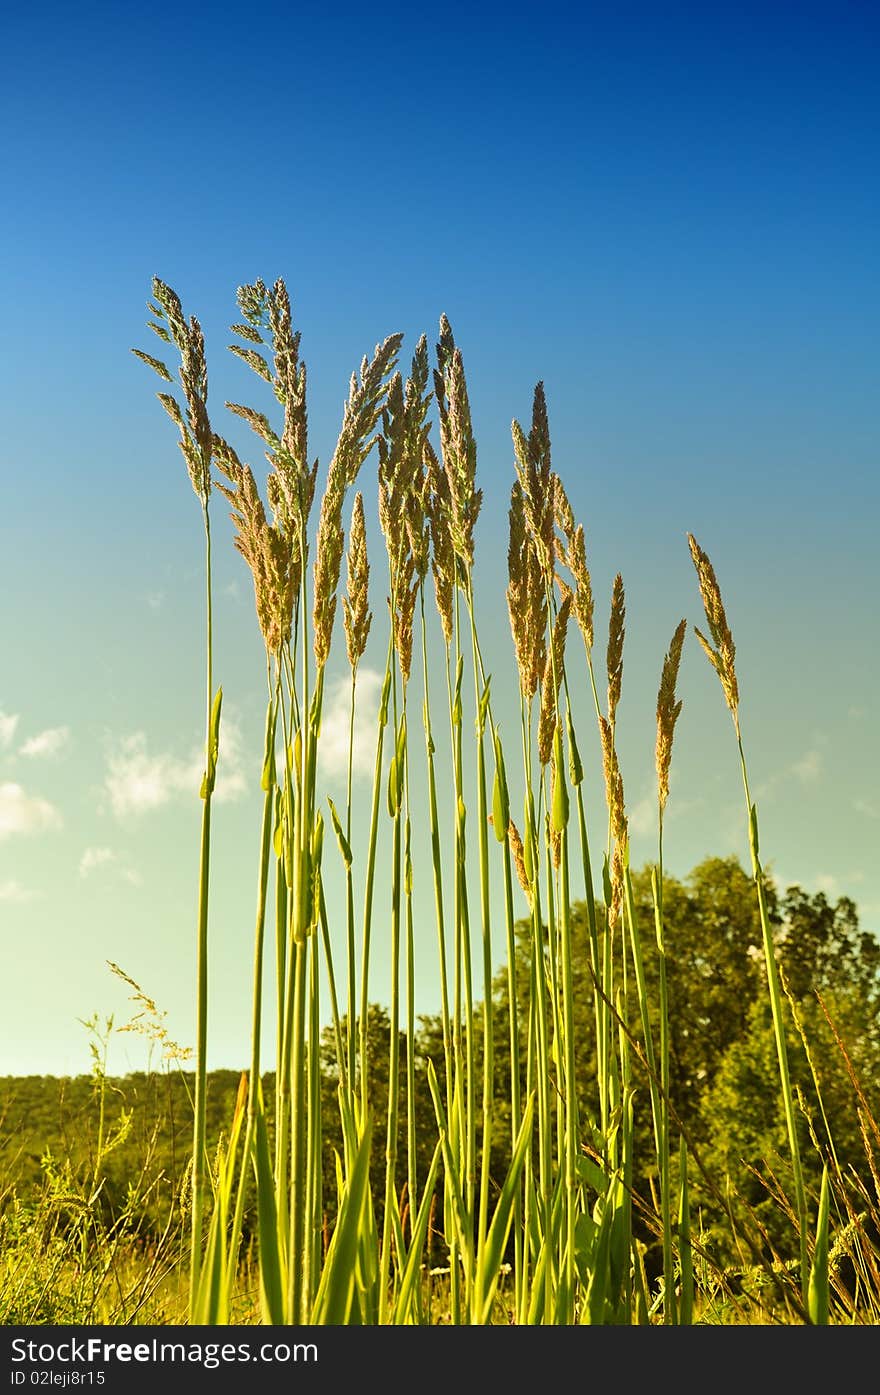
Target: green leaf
[[560, 806], [336, 1299], [500, 795], [213, 746], [392, 788], [267, 778], [818, 1293], [341, 839], [575, 767], [271, 1281]]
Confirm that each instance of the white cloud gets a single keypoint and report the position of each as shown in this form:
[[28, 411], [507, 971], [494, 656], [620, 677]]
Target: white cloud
[[8, 723], [155, 599], [643, 816], [14, 891], [24, 813], [138, 781], [46, 743], [95, 857], [335, 718], [807, 769], [864, 806]]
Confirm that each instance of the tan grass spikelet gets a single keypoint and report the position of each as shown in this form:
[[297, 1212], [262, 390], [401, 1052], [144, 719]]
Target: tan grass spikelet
[[616, 812], [574, 556], [196, 436], [268, 315], [356, 614], [553, 668], [457, 445], [404, 495], [439, 505], [360, 415], [518, 588], [519, 857], [722, 657], [613, 782], [668, 710], [532, 460], [614, 657], [261, 545]]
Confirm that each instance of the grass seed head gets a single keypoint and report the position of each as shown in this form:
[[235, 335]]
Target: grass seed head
[[616, 630], [519, 859], [263, 547], [196, 436], [668, 709], [361, 413], [553, 669], [442, 553], [357, 616], [721, 651], [457, 446], [573, 554]]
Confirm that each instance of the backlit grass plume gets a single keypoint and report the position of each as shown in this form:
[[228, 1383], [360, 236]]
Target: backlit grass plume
[[197, 445], [721, 653]]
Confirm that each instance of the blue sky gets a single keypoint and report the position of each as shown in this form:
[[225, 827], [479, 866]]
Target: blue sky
[[667, 214]]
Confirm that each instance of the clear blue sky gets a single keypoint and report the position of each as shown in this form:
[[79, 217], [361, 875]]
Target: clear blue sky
[[667, 213]]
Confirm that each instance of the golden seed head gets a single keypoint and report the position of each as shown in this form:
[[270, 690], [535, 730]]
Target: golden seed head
[[519, 858], [196, 436], [360, 415], [553, 669], [721, 652], [442, 554], [573, 554], [532, 460], [457, 446], [668, 710], [616, 870], [406, 597], [263, 547], [328, 561], [615, 647], [357, 616], [613, 783]]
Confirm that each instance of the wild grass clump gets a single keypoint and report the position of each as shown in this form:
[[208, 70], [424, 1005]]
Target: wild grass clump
[[532, 1171]]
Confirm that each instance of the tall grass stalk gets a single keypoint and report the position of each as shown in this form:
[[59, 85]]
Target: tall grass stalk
[[720, 650], [197, 446]]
